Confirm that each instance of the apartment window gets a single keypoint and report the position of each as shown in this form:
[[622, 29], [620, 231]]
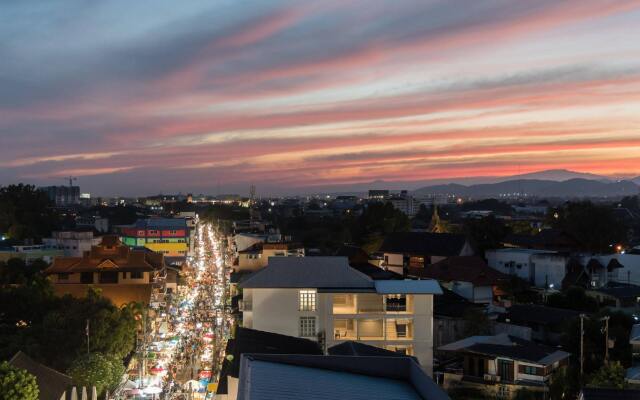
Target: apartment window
[[136, 274], [307, 326], [401, 330], [396, 302], [528, 369], [307, 300], [86, 277]]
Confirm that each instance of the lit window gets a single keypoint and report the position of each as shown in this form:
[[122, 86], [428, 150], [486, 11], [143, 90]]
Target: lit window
[[307, 300], [307, 326]]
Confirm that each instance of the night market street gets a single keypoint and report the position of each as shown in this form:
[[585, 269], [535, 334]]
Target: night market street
[[185, 347]]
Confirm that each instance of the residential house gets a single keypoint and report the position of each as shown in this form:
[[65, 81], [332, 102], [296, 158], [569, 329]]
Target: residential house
[[247, 341], [273, 376], [467, 276], [541, 268], [404, 250], [617, 295], [121, 273], [633, 374], [73, 244], [324, 299], [29, 253], [257, 256], [501, 365]]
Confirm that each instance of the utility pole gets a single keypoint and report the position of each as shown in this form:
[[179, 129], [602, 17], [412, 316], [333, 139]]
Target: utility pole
[[86, 331], [606, 339], [582, 316]]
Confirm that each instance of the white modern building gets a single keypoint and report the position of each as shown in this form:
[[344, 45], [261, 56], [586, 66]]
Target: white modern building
[[73, 244], [541, 268], [324, 299]]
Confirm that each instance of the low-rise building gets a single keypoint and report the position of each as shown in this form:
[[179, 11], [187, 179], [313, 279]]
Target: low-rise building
[[404, 250], [324, 299], [167, 236], [121, 273], [541, 268], [467, 276], [501, 365], [257, 256], [72, 243]]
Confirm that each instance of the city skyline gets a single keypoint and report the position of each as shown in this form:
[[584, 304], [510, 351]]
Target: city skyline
[[164, 97]]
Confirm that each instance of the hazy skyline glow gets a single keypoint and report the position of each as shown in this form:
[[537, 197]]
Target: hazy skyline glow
[[163, 96]]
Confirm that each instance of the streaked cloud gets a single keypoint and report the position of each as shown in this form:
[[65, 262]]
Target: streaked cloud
[[293, 94]]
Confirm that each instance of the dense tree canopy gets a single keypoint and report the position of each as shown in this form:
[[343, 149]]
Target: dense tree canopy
[[593, 226], [17, 384], [25, 212], [609, 376], [96, 369], [52, 329]]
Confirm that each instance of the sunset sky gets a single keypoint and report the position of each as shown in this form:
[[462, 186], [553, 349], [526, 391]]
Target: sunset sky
[[142, 97]]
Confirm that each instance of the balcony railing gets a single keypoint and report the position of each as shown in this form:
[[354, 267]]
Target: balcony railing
[[244, 305]]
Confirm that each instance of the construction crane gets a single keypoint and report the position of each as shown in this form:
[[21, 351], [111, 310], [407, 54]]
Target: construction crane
[[71, 179], [252, 195]]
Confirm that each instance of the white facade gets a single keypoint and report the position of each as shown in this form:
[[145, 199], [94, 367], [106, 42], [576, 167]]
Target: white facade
[[401, 323], [73, 244], [539, 267]]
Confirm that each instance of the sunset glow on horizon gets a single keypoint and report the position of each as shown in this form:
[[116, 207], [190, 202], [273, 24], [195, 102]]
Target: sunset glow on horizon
[[159, 96]]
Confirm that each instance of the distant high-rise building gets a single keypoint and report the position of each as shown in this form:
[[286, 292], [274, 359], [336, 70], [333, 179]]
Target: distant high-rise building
[[63, 195]]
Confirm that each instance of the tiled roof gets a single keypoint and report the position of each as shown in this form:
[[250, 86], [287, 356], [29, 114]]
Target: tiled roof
[[110, 253], [426, 243], [461, 268], [512, 347], [50, 382]]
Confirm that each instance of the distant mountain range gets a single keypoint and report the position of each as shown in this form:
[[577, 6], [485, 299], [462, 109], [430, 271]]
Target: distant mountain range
[[549, 183], [576, 187]]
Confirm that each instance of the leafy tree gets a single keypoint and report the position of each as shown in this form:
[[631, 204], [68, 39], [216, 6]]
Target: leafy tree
[[26, 212], [17, 271], [486, 233], [97, 370], [17, 384], [609, 376], [525, 394], [52, 329], [575, 298], [565, 383], [376, 221], [594, 227]]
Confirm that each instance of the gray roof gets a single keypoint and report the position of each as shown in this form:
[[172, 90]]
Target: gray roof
[[333, 377], [503, 345], [308, 272], [634, 336], [425, 286]]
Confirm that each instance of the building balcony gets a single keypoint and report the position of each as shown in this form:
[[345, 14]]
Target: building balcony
[[373, 329], [244, 305]]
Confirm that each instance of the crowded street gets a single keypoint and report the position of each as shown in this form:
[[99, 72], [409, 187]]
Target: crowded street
[[187, 337]]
